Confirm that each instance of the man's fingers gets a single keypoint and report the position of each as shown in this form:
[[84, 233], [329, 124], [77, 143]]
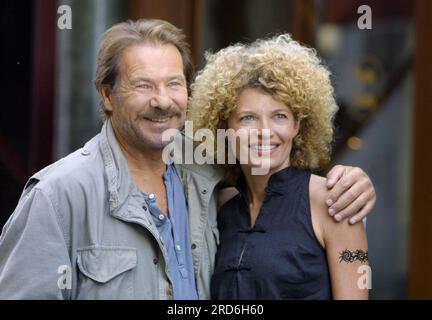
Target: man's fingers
[[341, 186], [334, 175], [349, 196], [353, 208], [363, 212], [352, 195]]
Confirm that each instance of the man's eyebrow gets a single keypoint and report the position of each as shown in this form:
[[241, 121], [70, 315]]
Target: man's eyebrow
[[137, 79], [176, 77], [147, 79]]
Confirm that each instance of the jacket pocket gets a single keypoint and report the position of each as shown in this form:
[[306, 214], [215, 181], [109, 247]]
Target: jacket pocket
[[106, 272]]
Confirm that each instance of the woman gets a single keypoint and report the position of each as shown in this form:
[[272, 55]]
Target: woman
[[276, 239]]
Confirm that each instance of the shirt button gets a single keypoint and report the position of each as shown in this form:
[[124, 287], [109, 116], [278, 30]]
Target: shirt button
[[161, 217], [204, 191], [145, 208], [155, 260], [194, 246], [151, 196], [178, 248], [85, 152]]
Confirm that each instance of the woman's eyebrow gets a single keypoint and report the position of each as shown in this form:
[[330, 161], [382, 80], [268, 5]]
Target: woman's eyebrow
[[245, 112]]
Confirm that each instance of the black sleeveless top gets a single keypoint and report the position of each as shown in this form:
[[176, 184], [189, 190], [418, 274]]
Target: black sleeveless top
[[280, 256]]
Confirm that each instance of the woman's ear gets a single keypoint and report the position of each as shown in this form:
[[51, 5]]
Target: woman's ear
[[296, 127]]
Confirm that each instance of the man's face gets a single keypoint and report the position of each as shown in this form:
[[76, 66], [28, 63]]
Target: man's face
[[150, 95]]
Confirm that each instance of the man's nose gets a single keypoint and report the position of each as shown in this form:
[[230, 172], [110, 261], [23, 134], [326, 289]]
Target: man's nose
[[161, 99]]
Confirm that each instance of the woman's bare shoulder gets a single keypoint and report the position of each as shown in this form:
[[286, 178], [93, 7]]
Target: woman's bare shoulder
[[318, 189], [318, 194]]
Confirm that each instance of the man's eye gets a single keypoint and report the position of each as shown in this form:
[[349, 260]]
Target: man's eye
[[174, 83], [143, 86], [247, 118]]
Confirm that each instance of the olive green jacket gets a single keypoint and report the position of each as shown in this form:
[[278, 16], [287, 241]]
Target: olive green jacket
[[81, 230]]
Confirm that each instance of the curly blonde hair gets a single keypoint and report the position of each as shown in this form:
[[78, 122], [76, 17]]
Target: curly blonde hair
[[289, 72]]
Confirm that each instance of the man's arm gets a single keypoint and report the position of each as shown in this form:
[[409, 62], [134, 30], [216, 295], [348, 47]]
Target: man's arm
[[351, 193], [32, 249]]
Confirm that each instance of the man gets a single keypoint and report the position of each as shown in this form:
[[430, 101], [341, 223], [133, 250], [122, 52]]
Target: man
[[112, 220]]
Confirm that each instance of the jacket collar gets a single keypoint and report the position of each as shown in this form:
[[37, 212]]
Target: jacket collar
[[119, 179]]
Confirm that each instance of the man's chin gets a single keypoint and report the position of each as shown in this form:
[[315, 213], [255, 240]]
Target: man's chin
[[155, 142], [153, 136]]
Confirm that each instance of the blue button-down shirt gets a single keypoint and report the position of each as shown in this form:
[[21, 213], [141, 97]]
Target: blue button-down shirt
[[174, 229]]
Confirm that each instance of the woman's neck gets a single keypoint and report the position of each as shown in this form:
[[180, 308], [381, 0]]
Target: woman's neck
[[256, 185], [256, 191]]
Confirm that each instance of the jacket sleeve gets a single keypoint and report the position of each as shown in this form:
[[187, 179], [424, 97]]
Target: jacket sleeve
[[34, 259]]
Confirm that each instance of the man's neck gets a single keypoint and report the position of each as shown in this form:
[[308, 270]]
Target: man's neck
[[142, 162], [147, 163], [147, 170]]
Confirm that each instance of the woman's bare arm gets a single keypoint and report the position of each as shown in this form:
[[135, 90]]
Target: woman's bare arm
[[345, 245]]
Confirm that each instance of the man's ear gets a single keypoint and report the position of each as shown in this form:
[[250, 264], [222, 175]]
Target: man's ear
[[107, 97]]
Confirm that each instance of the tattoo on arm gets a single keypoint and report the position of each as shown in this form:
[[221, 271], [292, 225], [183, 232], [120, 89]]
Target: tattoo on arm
[[351, 256]]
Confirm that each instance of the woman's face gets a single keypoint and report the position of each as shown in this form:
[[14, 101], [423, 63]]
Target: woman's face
[[271, 148]]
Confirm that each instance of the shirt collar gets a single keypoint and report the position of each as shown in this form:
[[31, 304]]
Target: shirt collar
[[278, 182]]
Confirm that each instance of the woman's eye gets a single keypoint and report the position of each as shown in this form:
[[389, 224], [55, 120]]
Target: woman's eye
[[247, 118], [280, 116]]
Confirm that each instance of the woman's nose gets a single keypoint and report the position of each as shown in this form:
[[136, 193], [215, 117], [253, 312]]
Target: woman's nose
[[265, 127]]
